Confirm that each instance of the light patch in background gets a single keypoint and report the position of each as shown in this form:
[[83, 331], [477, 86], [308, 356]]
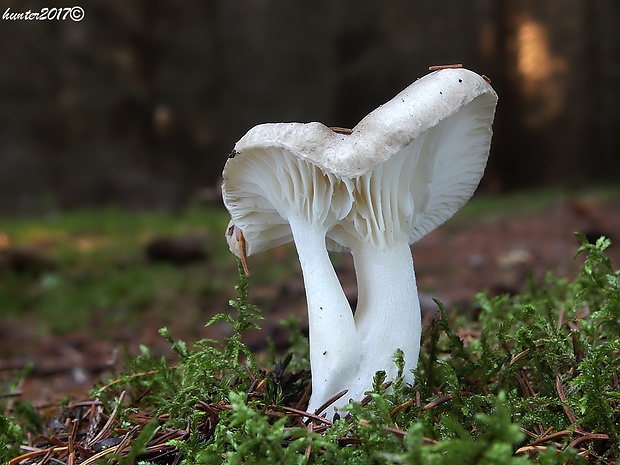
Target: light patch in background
[[541, 73]]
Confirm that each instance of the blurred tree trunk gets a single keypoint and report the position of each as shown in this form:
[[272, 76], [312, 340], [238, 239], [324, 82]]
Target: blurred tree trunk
[[506, 166], [140, 103], [602, 144]]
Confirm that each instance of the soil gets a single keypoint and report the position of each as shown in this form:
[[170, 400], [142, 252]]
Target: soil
[[496, 254]]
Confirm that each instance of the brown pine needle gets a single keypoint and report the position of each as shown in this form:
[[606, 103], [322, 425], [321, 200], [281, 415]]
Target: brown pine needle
[[402, 406], [364, 402], [436, 402], [304, 398], [567, 411], [551, 437], [531, 449], [243, 249], [519, 356], [340, 130], [108, 425], [438, 67], [35, 453], [330, 401], [303, 413]]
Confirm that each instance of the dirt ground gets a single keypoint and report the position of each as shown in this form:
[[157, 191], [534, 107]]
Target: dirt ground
[[496, 254]]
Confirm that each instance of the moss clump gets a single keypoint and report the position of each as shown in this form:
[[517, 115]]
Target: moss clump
[[533, 378]]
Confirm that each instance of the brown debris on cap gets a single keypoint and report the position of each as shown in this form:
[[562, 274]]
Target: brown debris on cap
[[438, 67], [340, 130]]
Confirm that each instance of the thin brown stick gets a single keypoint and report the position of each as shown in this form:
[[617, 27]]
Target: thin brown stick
[[528, 433], [402, 406], [260, 386], [71, 457], [108, 425], [134, 376], [127, 439], [330, 401], [312, 416], [99, 455], [547, 431], [213, 413], [550, 437], [567, 411], [340, 130], [364, 402], [438, 67], [576, 350], [54, 440], [573, 444], [31, 454], [304, 397], [72, 438], [396, 432], [48, 457], [561, 317], [528, 385], [436, 402], [308, 451], [243, 249], [519, 356], [595, 436], [165, 437], [531, 449]]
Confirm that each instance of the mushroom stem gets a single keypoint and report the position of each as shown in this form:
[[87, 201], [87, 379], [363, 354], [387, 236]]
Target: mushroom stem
[[388, 310], [334, 346]]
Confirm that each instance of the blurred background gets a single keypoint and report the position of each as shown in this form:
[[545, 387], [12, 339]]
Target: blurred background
[[114, 131], [138, 104]]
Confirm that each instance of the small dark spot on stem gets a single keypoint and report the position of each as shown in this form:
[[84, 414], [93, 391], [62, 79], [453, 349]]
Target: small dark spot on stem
[[460, 80], [233, 154]]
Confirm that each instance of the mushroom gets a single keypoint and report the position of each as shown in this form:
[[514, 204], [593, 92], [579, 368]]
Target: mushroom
[[403, 170]]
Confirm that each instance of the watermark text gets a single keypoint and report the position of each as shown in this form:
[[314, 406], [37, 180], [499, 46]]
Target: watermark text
[[71, 13]]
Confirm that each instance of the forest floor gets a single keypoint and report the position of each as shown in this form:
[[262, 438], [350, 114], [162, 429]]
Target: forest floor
[[494, 250]]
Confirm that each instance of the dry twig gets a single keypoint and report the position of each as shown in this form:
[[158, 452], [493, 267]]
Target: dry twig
[[438, 67]]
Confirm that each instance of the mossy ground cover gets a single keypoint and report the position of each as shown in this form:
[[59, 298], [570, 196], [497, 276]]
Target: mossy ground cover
[[531, 377], [535, 378]]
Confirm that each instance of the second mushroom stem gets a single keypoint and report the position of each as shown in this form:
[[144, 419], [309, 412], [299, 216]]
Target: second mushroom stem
[[388, 309]]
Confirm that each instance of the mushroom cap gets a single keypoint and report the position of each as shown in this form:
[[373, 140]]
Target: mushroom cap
[[404, 169]]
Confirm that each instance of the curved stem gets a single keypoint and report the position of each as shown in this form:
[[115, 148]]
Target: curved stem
[[388, 310], [334, 345]]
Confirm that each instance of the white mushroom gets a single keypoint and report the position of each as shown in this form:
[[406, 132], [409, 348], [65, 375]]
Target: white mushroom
[[402, 171]]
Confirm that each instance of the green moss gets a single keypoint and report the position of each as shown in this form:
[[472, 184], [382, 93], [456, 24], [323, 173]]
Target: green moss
[[545, 364]]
